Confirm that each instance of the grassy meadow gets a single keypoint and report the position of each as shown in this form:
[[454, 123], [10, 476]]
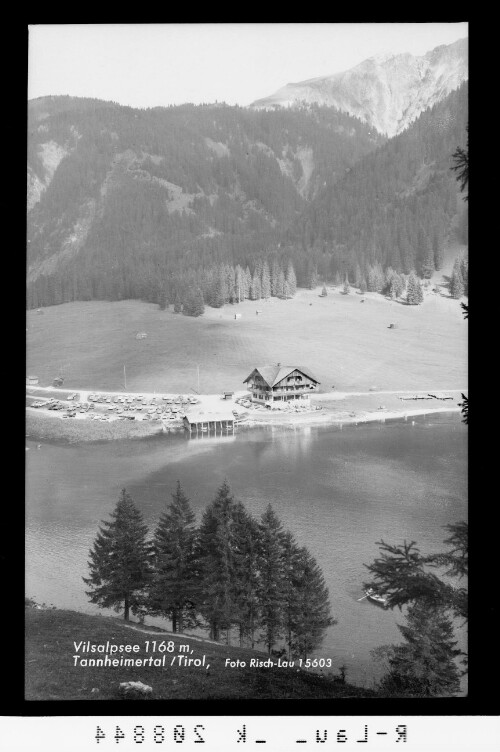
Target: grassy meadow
[[344, 342]]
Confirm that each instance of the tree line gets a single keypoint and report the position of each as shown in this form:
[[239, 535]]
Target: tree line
[[188, 291], [237, 572], [228, 284], [231, 572]]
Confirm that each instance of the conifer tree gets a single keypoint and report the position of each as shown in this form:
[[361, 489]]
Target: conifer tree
[[120, 560], [266, 281], [437, 247], [255, 289], [239, 284], [275, 270], [406, 576], [428, 264], [280, 284], [457, 287], [311, 275], [259, 264], [397, 286], [162, 299], [193, 303], [248, 282], [461, 166], [392, 287], [464, 270], [423, 666], [174, 589], [231, 293], [395, 257], [357, 275], [246, 575], [220, 290], [414, 293], [407, 254], [425, 255], [291, 280], [464, 408], [389, 274], [375, 278], [271, 585], [311, 615], [198, 303], [290, 559], [216, 563]]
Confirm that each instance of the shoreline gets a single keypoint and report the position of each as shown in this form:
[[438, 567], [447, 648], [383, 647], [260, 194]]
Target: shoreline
[[327, 409], [328, 418]]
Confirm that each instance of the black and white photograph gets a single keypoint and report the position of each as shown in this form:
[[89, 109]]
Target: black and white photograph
[[246, 364]]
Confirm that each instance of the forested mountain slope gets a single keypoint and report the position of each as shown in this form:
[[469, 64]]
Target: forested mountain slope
[[122, 201], [158, 204], [395, 207]]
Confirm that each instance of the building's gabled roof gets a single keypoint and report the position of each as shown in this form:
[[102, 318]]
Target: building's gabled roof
[[272, 375]]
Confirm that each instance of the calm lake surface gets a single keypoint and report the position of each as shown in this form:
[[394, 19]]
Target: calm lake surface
[[338, 491]]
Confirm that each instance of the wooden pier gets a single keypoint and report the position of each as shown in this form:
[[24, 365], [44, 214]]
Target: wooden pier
[[199, 421]]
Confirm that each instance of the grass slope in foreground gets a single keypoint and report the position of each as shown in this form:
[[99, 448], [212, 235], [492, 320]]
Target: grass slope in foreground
[[50, 673]]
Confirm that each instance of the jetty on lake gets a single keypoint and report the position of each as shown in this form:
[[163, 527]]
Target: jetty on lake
[[199, 421]]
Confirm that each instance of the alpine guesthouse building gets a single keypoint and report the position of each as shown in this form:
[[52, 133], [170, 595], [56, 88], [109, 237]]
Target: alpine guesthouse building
[[273, 386]]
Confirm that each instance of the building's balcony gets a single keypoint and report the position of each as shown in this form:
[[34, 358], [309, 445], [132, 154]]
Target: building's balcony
[[303, 389]]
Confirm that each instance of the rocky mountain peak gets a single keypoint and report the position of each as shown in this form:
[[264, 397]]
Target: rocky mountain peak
[[386, 91]]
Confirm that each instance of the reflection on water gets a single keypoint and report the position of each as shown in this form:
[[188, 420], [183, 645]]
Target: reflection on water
[[213, 436], [339, 492]]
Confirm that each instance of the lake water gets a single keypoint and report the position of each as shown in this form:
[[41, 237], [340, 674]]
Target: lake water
[[338, 491]]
